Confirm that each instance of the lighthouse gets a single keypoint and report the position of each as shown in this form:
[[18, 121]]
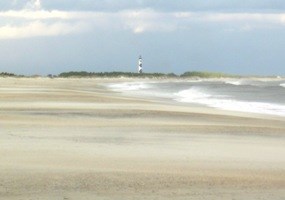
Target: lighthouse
[[140, 69]]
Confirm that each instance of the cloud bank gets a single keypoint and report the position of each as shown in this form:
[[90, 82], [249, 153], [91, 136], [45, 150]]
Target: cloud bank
[[34, 21], [38, 28]]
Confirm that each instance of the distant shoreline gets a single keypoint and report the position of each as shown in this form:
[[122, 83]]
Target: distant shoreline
[[186, 75]]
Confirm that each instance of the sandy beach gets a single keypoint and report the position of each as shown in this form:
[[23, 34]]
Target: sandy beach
[[74, 139]]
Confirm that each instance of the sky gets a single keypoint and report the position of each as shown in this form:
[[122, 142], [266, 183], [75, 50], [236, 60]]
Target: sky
[[43, 37]]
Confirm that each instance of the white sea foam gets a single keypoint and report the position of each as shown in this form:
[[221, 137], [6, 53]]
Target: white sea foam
[[194, 95], [282, 84], [234, 82], [129, 86], [191, 95], [250, 82], [245, 82]]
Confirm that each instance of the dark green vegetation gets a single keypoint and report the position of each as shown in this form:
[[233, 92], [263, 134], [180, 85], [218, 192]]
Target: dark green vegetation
[[115, 75], [207, 75], [84, 74], [144, 75], [5, 74]]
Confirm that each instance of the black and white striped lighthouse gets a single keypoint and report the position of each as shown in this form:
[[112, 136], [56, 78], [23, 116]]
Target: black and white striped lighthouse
[[140, 68]]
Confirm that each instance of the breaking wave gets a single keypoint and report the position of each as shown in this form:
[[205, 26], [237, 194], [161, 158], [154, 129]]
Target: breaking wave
[[195, 95], [256, 99], [129, 86], [234, 82]]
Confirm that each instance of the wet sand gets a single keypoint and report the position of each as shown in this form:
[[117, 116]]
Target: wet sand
[[73, 139]]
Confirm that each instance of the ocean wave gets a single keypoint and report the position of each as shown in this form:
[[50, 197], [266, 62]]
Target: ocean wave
[[205, 94], [191, 95], [249, 82], [234, 82], [245, 83], [195, 95], [129, 86]]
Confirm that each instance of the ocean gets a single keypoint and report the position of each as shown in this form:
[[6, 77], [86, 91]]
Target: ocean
[[262, 96]]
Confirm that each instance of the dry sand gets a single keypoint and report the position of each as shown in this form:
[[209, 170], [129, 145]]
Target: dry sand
[[73, 139]]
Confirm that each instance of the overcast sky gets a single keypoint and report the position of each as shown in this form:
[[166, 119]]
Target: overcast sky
[[231, 36]]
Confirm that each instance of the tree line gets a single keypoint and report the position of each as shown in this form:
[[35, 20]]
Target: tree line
[[144, 75], [6, 74], [116, 74]]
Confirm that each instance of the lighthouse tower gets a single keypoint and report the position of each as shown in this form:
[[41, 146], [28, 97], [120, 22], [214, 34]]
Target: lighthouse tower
[[140, 69]]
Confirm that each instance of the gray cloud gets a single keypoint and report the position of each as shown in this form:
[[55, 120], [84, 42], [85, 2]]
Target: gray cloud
[[33, 22]]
